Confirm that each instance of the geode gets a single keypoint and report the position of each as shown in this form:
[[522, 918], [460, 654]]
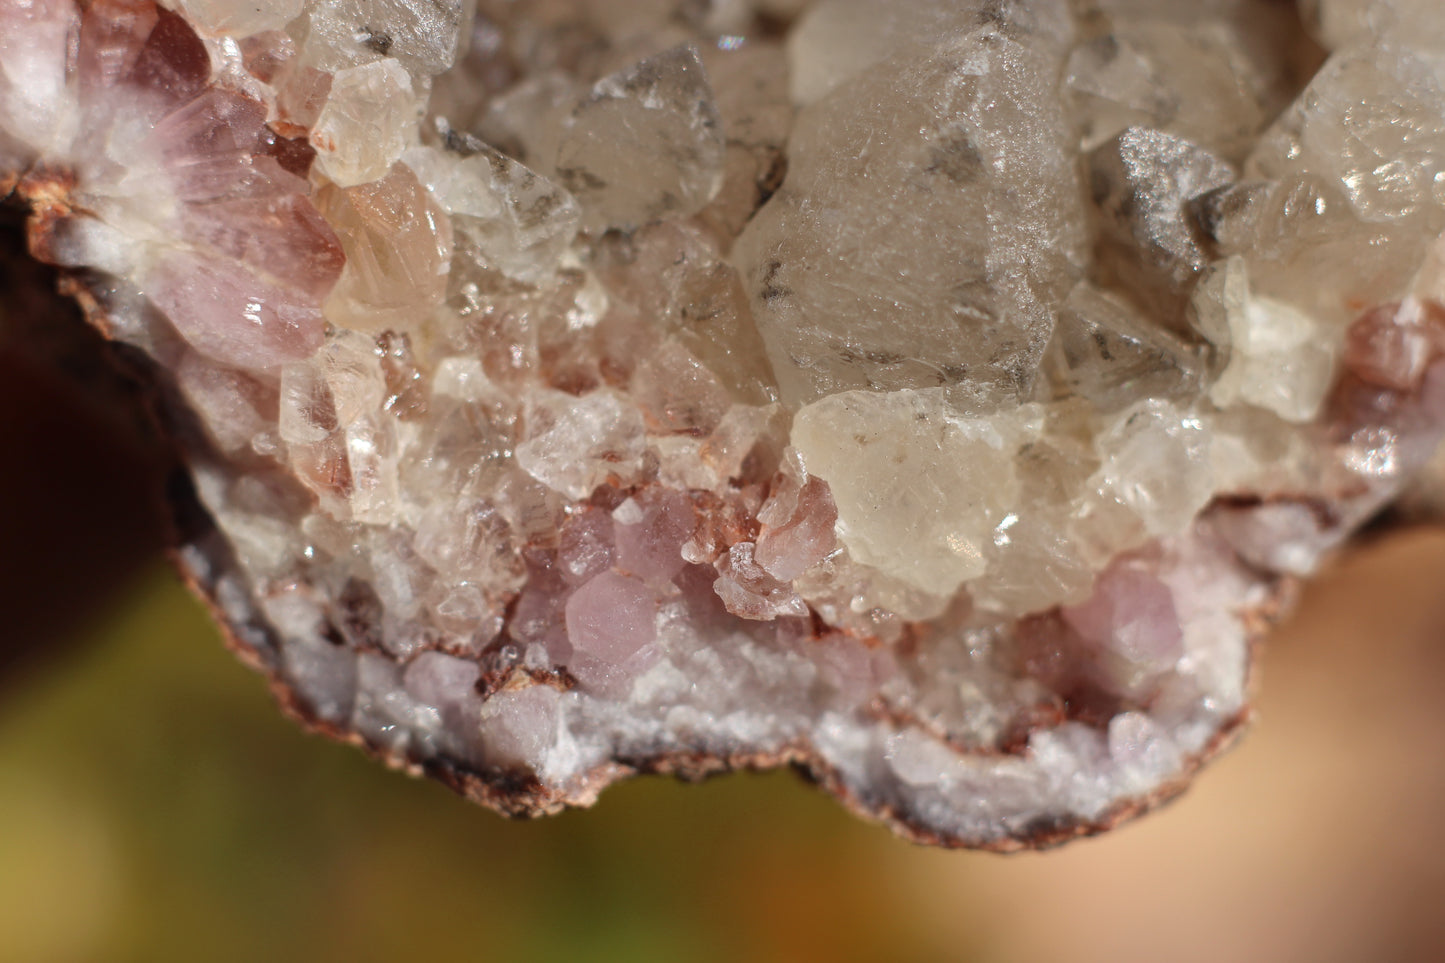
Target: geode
[[938, 396]]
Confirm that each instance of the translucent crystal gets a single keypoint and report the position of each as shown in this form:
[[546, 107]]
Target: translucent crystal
[[308, 413], [798, 525], [351, 366], [516, 221], [643, 144], [573, 445], [1035, 557], [947, 481], [839, 39], [368, 120], [1340, 23], [222, 16], [750, 592], [1306, 245], [371, 451], [423, 37], [675, 278], [398, 248], [234, 406], [1278, 357], [529, 118], [965, 146], [1106, 351], [469, 540], [1155, 460], [751, 86], [1371, 125], [1208, 81]]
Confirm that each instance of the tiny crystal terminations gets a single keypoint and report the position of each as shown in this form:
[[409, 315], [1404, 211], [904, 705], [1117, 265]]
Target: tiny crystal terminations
[[931, 394]]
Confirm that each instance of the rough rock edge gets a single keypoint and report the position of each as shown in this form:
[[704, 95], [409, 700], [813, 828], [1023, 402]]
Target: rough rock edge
[[518, 794], [204, 560]]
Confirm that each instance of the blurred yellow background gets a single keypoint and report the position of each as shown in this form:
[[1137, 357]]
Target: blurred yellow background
[[155, 806]]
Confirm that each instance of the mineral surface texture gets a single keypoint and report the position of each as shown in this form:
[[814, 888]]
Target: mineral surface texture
[[934, 395]]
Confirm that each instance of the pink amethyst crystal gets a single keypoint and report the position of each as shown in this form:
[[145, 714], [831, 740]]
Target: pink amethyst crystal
[[935, 396]]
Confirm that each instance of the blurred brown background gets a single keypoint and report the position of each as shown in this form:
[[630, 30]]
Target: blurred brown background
[[154, 806]]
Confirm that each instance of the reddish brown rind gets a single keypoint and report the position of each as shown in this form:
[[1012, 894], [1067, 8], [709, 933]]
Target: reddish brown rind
[[518, 794]]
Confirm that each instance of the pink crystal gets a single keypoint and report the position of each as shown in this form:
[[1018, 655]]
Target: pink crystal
[[436, 678], [611, 618], [650, 531], [796, 539], [749, 592], [1132, 613], [280, 238], [134, 43], [540, 614], [585, 545], [237, 407], [211, 148], [521, 724], [232, 315], [1391, 345]]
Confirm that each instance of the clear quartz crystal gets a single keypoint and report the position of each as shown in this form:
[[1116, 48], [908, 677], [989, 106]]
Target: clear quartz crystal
[[644, 143], [423, 37], [977, 159], [514, 220], [929, 394]]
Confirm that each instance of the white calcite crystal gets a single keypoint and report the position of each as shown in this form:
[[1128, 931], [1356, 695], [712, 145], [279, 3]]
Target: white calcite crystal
[[935, 396]]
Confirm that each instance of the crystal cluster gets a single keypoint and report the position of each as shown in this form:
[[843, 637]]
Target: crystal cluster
[[935, 395]]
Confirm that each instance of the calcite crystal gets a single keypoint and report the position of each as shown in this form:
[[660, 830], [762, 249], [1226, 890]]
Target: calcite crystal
[[937, 396]]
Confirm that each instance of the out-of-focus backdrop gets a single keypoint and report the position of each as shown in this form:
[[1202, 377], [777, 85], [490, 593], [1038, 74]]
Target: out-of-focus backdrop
[[155, 806]]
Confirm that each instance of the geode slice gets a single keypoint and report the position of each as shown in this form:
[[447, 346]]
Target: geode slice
[[934, 395]]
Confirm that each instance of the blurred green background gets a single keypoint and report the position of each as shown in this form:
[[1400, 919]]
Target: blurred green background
[[155, 806]]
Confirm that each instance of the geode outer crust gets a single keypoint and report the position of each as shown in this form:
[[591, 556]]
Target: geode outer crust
[[938, 398]]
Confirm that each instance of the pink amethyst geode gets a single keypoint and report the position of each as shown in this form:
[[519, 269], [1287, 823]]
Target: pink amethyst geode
[[937, 396]]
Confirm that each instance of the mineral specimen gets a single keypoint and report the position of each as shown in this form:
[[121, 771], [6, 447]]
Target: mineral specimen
[[937, 395]]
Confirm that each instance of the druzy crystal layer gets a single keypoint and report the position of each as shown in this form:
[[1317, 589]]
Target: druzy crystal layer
[[936, 396]]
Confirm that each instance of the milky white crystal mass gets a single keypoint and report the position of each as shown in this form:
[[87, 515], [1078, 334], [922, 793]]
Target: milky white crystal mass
[[919, 488]]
